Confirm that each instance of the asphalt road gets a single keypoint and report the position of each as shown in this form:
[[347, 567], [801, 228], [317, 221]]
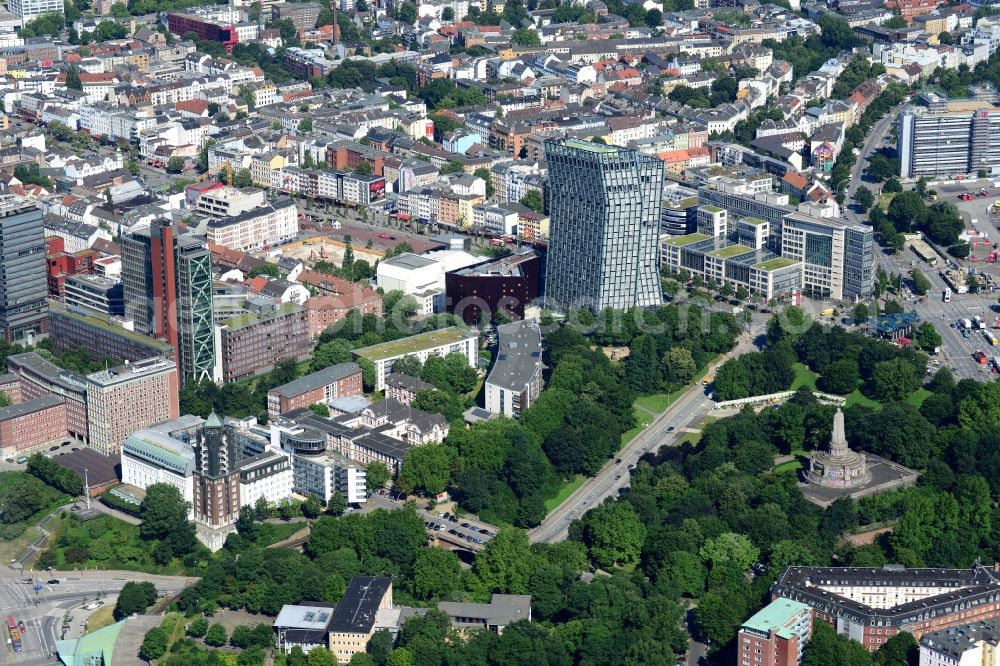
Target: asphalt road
[[956, 351], [45, 612], [664, 430]]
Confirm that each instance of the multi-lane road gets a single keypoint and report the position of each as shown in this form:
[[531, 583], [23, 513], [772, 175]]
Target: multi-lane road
[[665, 430], [45, 611], [956, 351]]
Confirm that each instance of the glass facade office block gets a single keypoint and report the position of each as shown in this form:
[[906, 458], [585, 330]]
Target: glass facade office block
[[605, 207]]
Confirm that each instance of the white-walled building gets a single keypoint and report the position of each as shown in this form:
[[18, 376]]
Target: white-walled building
[[267, 475], [422, 276], [975, 644], [150, 457], [267, 225], [422, 346], [515, 380]]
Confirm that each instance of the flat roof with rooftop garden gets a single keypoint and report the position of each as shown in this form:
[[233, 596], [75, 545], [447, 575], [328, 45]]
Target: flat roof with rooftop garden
[[730, 251], [687, 239], [775, 264], [589, 146], [756, 221], [711, 209], [414, 343]]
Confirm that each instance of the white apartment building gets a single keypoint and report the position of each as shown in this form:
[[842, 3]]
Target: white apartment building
[[975, 644], [422, 346], [264, 226], [229, 202], [28, 10], [515, 380], [267, 475], [494, 219]]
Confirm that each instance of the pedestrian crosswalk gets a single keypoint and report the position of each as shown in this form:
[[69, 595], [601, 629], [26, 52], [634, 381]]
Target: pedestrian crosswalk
[[57, 612]]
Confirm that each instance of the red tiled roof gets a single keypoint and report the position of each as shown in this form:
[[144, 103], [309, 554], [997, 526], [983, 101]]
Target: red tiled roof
[[796, 180]]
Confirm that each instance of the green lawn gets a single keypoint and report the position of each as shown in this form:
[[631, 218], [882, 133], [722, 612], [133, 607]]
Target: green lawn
[[917, 397], [803, 377], [792, 466], [857, 398], [690, 438], [657, 402], [275, 532], [567, 489]]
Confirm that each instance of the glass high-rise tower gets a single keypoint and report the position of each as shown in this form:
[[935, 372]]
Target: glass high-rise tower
[[168, 294], [23, 277], [604, 233]]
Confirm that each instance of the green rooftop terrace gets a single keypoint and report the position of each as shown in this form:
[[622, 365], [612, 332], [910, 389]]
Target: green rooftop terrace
[[730, 251], [591, 147], [413, 344], [104, 323], [711, 209], [775, 264], [681, 241], [251, 317], [756, 221]]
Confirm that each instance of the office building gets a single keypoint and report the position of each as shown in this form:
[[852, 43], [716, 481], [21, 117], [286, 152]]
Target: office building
[[322, 386], [315, 469], [23, 272], [838, 257], [266, 475], [354, 620], [228, 202], [102, 335], [31, 425], [168, 294], [515, 380], [38, 377], [93, 292], [679, 217], [742, 200], [326, 310], [776, 635], [949, 143], [28, 10], [253, 343], [346, 436], [128, 398], [758, 270], [302, 14], [872, 605], [504, 285], [974, 644], [605, 206], [222, 31], [423, 345]]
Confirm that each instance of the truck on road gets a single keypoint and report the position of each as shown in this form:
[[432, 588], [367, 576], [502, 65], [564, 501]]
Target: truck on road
[[966, 323]]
